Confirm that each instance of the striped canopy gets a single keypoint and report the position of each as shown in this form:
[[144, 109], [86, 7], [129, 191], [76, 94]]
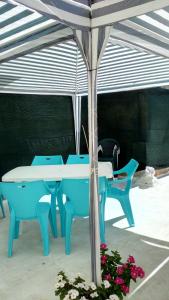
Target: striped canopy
[[39, 53]]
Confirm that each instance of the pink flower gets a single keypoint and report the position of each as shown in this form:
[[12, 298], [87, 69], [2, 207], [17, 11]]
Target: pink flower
[[119, 280], [107, 277], [125, 266], [131, 259], [140, 272], [103, 259], [103, 246], [125, 289], [133, 268], [120, 270], [134, 274]]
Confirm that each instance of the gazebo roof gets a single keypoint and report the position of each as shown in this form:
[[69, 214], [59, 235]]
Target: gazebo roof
[[38, 52]]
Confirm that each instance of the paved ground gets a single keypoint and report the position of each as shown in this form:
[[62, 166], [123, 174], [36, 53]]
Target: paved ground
[[30, 276]]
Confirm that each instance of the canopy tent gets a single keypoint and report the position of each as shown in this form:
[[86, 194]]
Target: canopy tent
[[136, 34], [54, 64]]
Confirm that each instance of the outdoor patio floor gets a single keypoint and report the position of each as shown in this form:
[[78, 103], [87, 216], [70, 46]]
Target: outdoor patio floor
[[30, 276]]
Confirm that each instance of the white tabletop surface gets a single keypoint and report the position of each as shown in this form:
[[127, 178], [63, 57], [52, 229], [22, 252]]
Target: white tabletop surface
[[55, 172]]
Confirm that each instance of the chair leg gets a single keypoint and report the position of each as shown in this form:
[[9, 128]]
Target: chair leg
[[52, 225], [126, 206], [62, 213], [43, 219], [102, 223], [68, 233], [53, 213], [2, 208], [17, 223], [11, 234]]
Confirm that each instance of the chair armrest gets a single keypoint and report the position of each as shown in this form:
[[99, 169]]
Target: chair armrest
[[117, 180], [122, 170]]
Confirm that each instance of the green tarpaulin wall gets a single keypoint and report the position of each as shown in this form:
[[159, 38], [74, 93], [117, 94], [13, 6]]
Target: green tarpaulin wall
[[31, 124]]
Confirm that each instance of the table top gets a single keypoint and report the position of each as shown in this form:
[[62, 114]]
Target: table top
[[55, 172]]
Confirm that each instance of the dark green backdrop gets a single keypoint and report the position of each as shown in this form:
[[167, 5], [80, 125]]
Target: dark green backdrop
[[31, 124]]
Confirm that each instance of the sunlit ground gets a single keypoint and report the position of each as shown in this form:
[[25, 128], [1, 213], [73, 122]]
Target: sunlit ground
[[151, 213], [28, 275]]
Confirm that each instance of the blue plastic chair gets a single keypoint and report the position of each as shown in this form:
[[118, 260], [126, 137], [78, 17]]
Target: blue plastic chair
[[47, 160], [23, 199], [1, 205], [78, 159], [119, 188], [54, 187], [77, 204]]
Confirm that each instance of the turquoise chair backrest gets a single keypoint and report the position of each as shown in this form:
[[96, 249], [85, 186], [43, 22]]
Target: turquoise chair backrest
[[77, 193], [47, 160], [23, 197], [129, 170], [78, 159], [131, 167]]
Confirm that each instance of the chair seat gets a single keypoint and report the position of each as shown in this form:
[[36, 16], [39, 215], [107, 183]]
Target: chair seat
[[43, 208], [116, 193]]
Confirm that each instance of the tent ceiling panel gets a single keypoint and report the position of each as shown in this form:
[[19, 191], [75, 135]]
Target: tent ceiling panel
[[45, 59], [111, 11], [60, 69], [72, 13], [23, 31]]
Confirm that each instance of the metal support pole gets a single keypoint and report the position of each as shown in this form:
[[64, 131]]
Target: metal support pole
[[76, 100], [92, 45], [93, 144]]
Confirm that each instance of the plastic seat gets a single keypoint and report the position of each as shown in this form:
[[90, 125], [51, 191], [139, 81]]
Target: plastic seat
[[119, 188], [78, 159], [54, 187], [23, 199], [1, 205], [77, 204], [109, 150]]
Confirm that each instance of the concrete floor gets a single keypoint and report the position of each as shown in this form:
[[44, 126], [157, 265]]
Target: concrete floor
[[30, 276]]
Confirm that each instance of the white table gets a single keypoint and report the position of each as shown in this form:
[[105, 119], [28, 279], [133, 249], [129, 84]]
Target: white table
[[55, 172]]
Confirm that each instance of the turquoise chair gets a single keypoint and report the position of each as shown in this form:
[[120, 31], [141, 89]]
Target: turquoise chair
[[54, 187], [78, 159], [1, 205], [23, 199], [77, 204], [119, 188], [47, 160]]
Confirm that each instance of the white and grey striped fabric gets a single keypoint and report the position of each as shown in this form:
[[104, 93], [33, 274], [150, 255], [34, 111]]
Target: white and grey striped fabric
[[60, 69], [136, 56], [72, 13]]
